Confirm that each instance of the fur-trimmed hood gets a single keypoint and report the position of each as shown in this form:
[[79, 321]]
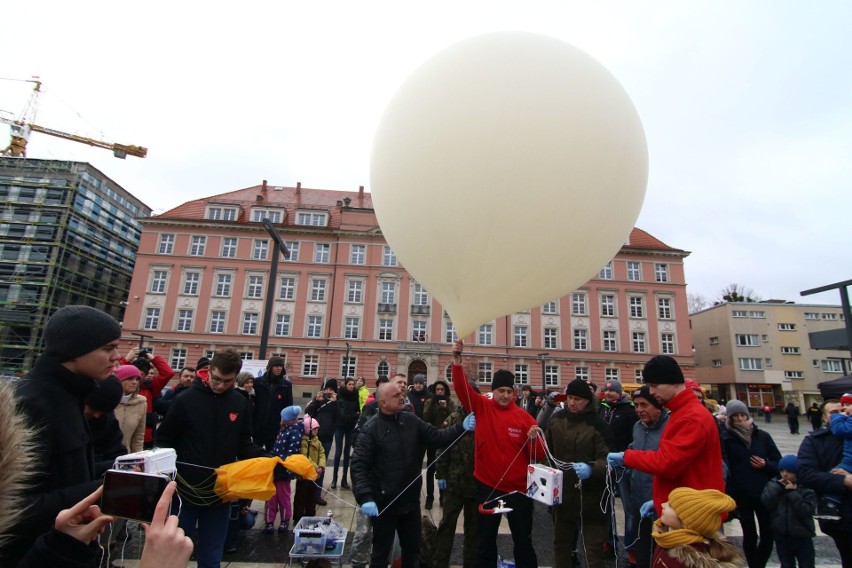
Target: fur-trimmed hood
[[724, 555], [16, 448]]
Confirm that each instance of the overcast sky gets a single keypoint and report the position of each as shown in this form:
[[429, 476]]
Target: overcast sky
[[747, 107]]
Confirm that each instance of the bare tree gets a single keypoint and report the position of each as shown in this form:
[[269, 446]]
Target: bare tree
[[696, 302], [737, 293]]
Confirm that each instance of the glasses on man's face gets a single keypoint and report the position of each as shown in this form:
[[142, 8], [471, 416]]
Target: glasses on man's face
[[220, 381]]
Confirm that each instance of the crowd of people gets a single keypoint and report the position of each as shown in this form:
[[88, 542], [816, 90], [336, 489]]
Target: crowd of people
[[679, 470]]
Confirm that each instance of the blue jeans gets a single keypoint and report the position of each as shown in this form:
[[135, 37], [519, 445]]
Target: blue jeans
[[207, 527]]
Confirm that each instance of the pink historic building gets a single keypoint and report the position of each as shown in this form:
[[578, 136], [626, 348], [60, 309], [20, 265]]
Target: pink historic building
[[344, 305]]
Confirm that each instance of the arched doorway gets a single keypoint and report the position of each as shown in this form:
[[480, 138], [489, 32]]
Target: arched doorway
[[416, 367]]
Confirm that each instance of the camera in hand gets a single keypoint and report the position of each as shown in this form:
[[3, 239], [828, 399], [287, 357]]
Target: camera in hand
[[326, 395], [144, 351]]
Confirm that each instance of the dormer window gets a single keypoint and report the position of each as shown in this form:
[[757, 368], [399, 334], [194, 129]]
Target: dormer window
[[258, 215], [311, 218], [221, 213]]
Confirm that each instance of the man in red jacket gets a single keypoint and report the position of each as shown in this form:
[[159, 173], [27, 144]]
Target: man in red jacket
[[506, 439], [689, 453]]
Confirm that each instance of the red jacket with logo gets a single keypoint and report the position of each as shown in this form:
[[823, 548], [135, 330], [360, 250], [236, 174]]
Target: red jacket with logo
[[502, 447], [689, 454]]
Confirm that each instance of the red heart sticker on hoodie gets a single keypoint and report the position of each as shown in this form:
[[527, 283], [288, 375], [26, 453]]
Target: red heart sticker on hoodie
[[233, 416]]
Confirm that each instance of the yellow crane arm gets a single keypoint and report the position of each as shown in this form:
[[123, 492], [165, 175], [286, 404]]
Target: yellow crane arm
[[119, 150]]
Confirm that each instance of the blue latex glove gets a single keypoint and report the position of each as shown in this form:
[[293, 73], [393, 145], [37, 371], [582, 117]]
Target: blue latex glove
[[615, 459], [469, 422], [370, 509], [584, 470], [647, 510], [442, 484]]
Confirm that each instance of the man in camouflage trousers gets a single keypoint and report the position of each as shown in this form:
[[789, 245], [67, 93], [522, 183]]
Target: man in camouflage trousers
[[455, 478]]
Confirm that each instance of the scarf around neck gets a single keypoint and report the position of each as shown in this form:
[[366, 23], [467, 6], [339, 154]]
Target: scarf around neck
[[743, 431], [675, 537]]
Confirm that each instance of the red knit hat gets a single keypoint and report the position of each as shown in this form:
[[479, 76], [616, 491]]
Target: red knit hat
[[846, 399]]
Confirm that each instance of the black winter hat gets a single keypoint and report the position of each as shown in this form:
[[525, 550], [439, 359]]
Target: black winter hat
[[203, 363], [76, 330], [645, 392], [274, 362], [664, 370], [106, 395], [579, 387], [503, 378], [330, 383]]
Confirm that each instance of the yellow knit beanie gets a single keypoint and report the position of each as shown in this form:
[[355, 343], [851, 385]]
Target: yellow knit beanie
[[702, 510]]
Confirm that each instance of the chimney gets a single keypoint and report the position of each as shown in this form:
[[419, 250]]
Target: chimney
[[360, 192], [298, 188], [263, 187]]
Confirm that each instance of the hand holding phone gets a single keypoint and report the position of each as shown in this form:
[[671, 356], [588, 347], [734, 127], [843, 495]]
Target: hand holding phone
[[84, 520], [166, 545], [132, 495]]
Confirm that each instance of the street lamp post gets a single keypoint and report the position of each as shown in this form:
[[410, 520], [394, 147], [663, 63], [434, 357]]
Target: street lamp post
[[543, 377], [278, 247], [841, 287]]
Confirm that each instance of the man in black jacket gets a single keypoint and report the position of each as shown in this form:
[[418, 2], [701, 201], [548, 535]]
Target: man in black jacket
[[208, 426], [273, 393], [80, 348], [386, 474]]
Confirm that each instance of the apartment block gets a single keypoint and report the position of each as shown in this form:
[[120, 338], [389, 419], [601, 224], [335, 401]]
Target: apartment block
[[68, 236], [343, 305], [759, 352]]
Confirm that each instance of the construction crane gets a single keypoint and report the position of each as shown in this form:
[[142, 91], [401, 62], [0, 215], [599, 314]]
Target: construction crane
[[20, 129]]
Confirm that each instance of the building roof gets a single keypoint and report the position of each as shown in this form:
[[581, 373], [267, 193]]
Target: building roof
[[640, 239]]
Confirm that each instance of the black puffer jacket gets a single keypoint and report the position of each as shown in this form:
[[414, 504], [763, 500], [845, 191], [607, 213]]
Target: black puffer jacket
[[792, 510], [819, 453], [273, 394], [349, 407], [389, 456], [621, 416], [744, 480], [207, 429], [327, 413]]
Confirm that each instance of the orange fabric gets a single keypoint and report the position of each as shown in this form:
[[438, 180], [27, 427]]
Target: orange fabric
[[252, 479]]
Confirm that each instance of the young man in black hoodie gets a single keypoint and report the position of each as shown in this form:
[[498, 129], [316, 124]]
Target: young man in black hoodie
[[208, 426], [273, 393]]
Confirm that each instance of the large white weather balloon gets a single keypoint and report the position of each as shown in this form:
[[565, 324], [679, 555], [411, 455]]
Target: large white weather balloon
[[505, 172]]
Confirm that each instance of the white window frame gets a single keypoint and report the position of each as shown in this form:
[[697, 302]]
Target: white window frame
[[661, 272], [640, 343], [310, 365], [293, 249], [159, 281], [667, 343], [634, 271], [550, 337], [184, 320], [152, 319], [254, 287], [385, 330], [313, 327], [608, 305], [311, 219], [260, 250], [747, 340], [198, 244], [637, 307], [550, 308], [250, 323], [287, 288], [357, 254], [582, 372], [229, 247], [224, 280], [522, 374], [581, 339], [664, 308], [258, 215], [318, 289], [485, 335], [485, 372], [418, 330], [282, 325], [606, 272], [551, 375], [750, 363], [520, 335], [388, 256], [167, 243], [178, 359], [450, 334], [610, 341], [791, 351], [786, 327], [218, 320], [191, 283], [578, 304], [322, 253], [388, 293], [355, 292], [352, 327], [794, 375], [421, 296]]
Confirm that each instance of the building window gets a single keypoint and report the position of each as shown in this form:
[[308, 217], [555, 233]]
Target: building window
[[255, 287], [246, 355], [388, 257], [249, 323], [354, 294], [794, 375], [382, 369], [607, 305], [450, 335], [418, 331], [714, 340], [388, 293], [198, 245], [551, 340], [486, 334], [717, 362], [609, 343], [811, 316], [190, 283], [282, 325], [581, 373], [637, 307], [351, 328], [747, 340], [347, 366], [178, 358], [639, 342], [184, 322], [314, 326], [751, 364], [287, 291], [633, 272], [637, 376], [520, 336], [293, 249], [578, 304], [606, 272], [385, 330], [421, 297], [832, 366], [581, 340], [611, 374], [258, 215], [217, 214], [310, 365], [739, 314], [223, 285], [664, 308], [757, 315], [357, 254], [311, 219], [158, 281], [829, 316], [551, 375], [317, 290], [229, 247], [217, 322], [661, 272], [522, 374], [790, 351], [667, 343], [261, 249], [786, 327], [167, 244], [485, 373], [152, 318], [549, 308], [322, 253]]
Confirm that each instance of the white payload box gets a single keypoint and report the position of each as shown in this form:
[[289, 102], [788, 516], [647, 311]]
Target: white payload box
[[544, 484], [158, 460]]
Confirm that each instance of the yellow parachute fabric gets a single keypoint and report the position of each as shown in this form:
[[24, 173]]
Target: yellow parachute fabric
[[252, 479]]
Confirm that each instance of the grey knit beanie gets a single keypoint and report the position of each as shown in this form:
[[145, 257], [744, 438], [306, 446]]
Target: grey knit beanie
[[76, 330]]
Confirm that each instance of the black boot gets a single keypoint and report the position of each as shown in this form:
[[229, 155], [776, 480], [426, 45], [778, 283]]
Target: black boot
[[345, 484], [334, 480]]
